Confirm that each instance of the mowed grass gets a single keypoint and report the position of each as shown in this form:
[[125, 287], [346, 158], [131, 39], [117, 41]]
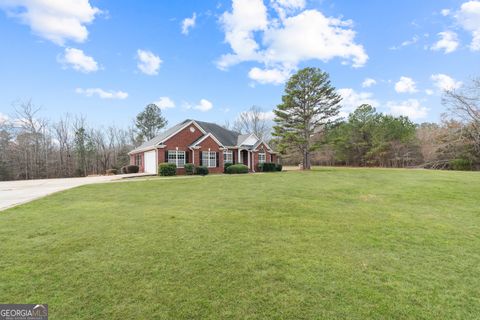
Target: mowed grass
[[327, 244]]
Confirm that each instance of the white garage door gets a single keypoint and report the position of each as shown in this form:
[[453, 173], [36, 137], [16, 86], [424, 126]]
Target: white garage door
[[150, 162]]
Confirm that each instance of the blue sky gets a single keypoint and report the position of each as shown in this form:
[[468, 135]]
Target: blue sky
[[108, 59]]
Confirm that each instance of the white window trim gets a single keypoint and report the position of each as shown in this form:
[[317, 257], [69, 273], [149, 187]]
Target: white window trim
[[264, 157], [177, 162], [138, 160], [206, 157], [228, 153]]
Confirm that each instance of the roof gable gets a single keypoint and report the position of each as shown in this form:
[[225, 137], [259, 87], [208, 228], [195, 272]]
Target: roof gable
[[248, 140], [199, 141]]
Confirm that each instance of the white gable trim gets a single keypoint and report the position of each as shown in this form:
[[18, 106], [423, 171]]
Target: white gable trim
[[183, 127], [250, 136], [135, 151], [263, 142], [205, 137]]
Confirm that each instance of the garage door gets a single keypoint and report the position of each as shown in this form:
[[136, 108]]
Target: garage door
[[150, 162]]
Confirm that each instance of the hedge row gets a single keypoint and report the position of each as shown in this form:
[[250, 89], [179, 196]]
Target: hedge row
[[170, 169], [269, 167]]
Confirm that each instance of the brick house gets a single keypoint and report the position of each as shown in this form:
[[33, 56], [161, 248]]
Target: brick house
[[201, 143]]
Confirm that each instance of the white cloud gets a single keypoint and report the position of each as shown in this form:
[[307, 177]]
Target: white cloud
[[445, 82], [368, 82], [405, 85], [407, 43], [281, 43], [429, 92], [78, 60], [448, 42], [445, 12], [247, 16], [410, 108], [352, 99], [165, 103], [90, 92], [267, 115], [204, 105], [285, 7], [3, 118], [188, 23], [148, 62], [469, 18], [274, 76], [322, 38], [57, 21]]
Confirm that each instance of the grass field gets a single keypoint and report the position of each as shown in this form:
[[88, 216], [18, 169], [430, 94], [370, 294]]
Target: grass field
[[326, 244]]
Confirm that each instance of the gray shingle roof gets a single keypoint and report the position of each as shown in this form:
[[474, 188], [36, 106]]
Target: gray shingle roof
[[159, 138], [225, 136]]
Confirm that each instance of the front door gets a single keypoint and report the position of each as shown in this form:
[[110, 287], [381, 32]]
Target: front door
[[244, 154]]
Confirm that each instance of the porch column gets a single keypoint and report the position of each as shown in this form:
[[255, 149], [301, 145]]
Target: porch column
[[238, 159], [248, 156]]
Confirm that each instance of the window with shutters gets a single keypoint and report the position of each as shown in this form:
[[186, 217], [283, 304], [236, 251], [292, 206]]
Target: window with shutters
[[209, 159], [261, 157], [227, 156], [177, 157]]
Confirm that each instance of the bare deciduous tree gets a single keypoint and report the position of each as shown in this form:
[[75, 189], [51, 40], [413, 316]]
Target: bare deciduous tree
[[253, 120], [464, 104]]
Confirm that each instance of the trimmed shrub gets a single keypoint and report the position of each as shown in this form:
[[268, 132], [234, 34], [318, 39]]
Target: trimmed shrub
[[201, 170], [267, 167], [111, 172], [167, 169], [237, 168], [132, 168], [278, 167], [189, 169], [225, 166], [461, 164]]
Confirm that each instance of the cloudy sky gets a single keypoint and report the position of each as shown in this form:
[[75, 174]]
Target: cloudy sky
[[209, 60]]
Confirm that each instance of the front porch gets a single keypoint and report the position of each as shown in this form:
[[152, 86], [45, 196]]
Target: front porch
[[247, 158]]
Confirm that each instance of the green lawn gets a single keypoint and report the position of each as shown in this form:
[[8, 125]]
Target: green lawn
[[326, 244]]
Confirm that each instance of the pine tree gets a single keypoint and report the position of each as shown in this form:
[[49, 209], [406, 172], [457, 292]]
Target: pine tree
[[310, 102]]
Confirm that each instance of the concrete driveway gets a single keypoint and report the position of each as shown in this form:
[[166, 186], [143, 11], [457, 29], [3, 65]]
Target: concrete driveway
[[13, 193]]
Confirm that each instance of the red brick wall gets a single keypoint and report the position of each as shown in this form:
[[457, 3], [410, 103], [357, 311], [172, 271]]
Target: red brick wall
[[205, 145], [181, 141], [142, 164], [267, 155]]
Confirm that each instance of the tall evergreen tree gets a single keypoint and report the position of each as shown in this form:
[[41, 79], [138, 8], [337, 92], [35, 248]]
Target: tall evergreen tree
[[309, 103], [150, 121]]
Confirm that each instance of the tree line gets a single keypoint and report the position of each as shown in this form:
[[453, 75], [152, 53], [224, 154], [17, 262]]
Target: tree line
[[308, 130], [34, 148]]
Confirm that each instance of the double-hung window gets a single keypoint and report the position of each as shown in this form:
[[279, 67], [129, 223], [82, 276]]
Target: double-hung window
[[177, 157], [138, 160], [261, 157], [209, 159], [227, 156]]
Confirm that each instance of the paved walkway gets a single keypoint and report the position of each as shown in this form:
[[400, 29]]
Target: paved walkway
[[13, 193]]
